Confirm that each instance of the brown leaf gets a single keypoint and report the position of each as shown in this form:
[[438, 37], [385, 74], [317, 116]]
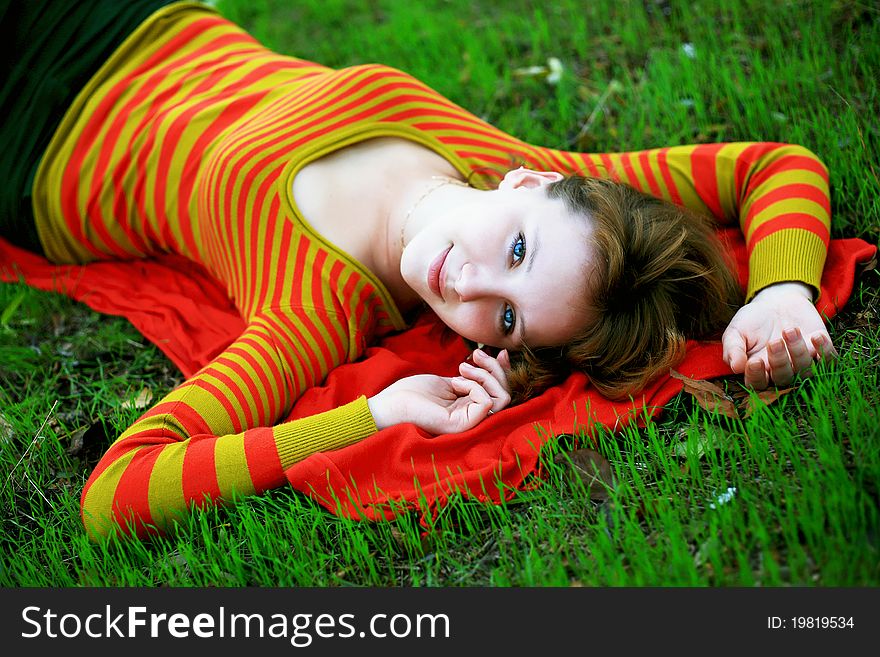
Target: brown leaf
[[739, 395], [426, 540], [707, 394], [76, 441], [862, 267], [145, 396], [398, 537], [89, 443], [701, 385], [7, 433], [764, 398], [592, 468]]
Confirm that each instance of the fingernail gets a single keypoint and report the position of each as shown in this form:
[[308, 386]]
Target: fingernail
[[790, 334], [480, 352], [819, 338], [755, 367], [776, 346]]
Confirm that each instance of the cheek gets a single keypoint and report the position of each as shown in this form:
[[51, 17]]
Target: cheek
[[408, 262], [414, 263], [472, 320]]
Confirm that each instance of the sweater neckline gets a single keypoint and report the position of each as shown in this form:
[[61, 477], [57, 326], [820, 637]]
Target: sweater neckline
[[332, 142]]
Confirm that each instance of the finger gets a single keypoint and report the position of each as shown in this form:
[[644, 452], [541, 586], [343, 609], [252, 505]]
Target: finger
[[801, 358], [733, 350], [493, 365], [824, 347], [478, 402], [481, 376], [504, 359], [756, 374], [498, 392], [464, 387], [781, 371]]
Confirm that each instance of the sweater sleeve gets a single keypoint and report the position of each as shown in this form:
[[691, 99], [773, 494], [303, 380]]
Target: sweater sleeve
[[214, 436], [777, 193]]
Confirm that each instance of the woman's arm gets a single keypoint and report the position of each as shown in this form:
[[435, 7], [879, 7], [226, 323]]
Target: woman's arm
[[777, 193], [215, 435], [779, 196]]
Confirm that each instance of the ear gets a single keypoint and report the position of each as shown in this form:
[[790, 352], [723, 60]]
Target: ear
[[528, 178]]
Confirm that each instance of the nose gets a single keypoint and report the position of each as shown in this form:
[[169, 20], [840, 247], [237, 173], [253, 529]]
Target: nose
[[474, 283]]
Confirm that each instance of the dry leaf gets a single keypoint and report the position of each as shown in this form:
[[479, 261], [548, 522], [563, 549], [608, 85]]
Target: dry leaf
[[76, 441], [592, 468], [764, 398], [697, 384], [7, 433], [143, 400], [707, 394], [398, 537], [708, 440], [425, 540], [739, 395], [862, 267], [89, 443]]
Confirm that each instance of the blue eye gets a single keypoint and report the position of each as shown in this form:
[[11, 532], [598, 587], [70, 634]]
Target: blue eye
[[508, 320], [518, 248], [517, 253]]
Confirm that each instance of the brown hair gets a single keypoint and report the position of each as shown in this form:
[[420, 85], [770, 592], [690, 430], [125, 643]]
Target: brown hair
[[661, 277]]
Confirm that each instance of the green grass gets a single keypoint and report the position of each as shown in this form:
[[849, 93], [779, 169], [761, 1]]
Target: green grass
[[805, 470]]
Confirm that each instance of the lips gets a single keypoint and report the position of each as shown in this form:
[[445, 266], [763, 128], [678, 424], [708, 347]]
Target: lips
[[434, 271]]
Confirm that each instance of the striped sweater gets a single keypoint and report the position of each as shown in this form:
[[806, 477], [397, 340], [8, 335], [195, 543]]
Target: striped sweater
[[187, 141]]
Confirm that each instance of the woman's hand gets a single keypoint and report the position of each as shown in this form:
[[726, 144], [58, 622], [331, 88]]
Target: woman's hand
[[437, 404], [776, 336], [491, 373]]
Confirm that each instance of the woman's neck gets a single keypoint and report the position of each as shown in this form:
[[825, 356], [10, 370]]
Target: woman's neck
[[422, 186], [363, 197]]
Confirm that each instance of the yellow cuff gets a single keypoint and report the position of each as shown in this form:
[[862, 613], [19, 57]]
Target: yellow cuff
[[789, 255], [323, 432]]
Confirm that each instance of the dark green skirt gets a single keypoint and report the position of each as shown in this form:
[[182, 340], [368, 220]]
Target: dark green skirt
[[56, 48]]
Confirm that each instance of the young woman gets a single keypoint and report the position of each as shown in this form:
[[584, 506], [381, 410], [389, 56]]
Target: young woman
[[155, 129]]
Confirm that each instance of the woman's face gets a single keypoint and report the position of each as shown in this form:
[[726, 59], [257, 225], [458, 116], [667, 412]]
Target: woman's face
[[508, 268]]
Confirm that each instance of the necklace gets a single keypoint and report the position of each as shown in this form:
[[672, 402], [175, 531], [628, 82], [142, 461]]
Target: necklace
[[439, 182]]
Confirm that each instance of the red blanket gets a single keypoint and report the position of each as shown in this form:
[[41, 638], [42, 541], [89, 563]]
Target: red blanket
[[176, 305]]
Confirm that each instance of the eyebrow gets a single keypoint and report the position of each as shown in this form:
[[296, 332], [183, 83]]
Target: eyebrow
[[536, 244]]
